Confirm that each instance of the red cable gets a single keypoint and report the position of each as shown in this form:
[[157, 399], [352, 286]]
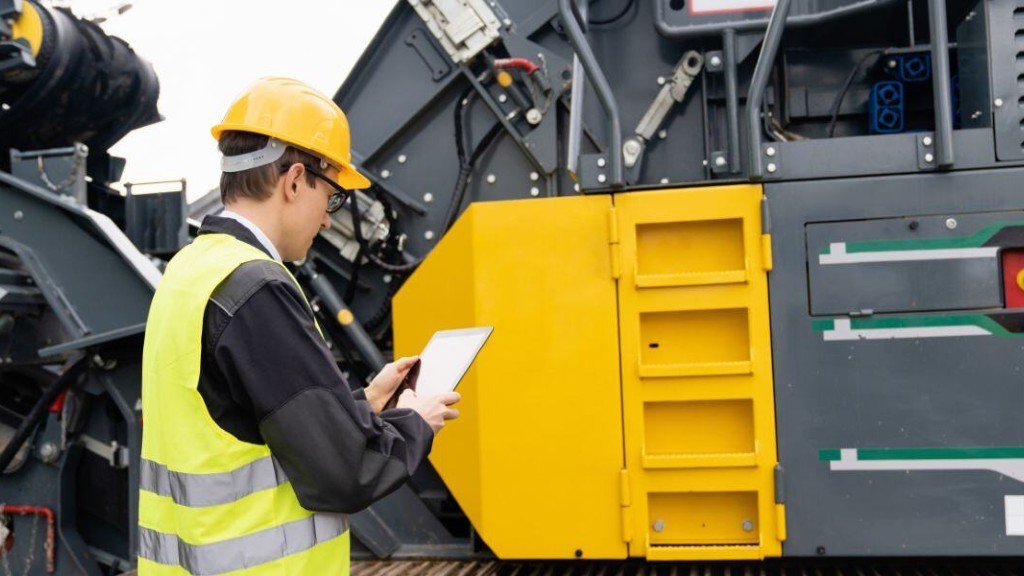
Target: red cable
[[50, 519], [521, 63]]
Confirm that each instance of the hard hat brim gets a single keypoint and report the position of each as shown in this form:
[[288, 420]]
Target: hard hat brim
[[350, 179]]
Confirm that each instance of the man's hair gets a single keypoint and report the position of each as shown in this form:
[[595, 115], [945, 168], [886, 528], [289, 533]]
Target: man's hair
[[257, 183]]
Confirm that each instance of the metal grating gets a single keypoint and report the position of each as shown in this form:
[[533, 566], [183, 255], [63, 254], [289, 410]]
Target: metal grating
[[940, 567], [1018, 45]]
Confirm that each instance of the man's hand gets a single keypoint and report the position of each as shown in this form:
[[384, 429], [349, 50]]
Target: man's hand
[[434, 409], [387, 381]]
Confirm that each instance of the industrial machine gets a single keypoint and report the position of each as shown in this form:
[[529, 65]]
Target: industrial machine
[[755, 270]]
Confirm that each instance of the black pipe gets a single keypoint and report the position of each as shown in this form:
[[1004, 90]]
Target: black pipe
[[732, 105], [355, 332], [39, 411], [86, 87], [940, 84], [579, 43], [758, 84]]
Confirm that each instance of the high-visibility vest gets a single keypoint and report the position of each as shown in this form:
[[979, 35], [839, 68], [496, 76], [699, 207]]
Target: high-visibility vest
[[208, 502]]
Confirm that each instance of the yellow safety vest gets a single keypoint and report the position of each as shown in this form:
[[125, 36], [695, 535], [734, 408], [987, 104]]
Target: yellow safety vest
[[208, 502]]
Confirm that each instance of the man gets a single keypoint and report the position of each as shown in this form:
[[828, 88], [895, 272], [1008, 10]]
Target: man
[[254, 449]]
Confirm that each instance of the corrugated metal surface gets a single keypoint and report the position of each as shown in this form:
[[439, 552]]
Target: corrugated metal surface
[[1009, 567]]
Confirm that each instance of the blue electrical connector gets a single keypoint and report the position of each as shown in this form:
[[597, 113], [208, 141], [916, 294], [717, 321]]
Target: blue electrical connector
[[886, 107], [913, 67]]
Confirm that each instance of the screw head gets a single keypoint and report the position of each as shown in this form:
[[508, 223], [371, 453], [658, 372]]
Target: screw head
[[428, 197], [385, 174], [387, 278], [772, 168], [502, 98], [951, 223], [534, 191], [664, 180], [534, 176], [929, 158], [602, 178], [748, 525], [402, 158], [720, 161], [715, 61], [891, 63], [49, 452], [18, 215], [632, 147], [429, 234], [770, 151], [601, 163], [662, 134], [534, 117], [491, 178], [998, 103], [658, 526], [927, 140], [661, 80]]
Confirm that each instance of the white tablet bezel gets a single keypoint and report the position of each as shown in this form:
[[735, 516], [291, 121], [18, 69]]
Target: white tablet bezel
[[459, 333]]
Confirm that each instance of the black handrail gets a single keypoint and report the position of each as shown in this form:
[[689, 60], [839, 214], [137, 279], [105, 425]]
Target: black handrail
[[941, 89], [574, 29], [762, 71]]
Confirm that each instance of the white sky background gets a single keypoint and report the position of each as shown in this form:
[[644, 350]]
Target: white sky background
[[206, 51]]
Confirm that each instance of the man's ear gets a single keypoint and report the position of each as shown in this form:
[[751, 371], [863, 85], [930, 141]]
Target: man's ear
[[290, 181]]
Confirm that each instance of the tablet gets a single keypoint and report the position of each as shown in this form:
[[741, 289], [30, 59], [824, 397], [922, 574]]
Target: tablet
[[446, 358]]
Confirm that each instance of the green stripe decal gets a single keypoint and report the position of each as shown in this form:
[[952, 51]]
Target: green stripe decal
[[823, 325], [939, 453], [828, 455], [864, 454], [979, 320], [973, 241]]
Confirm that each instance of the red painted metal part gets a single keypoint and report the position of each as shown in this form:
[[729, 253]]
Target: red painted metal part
[[520, 63], [50, 527], [1013, 265]]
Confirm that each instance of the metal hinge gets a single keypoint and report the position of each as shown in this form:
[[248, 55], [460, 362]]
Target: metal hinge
[[625, 501], [767, 258], [613, 243]]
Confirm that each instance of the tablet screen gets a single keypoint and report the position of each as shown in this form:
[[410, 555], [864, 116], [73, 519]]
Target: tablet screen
[[446, 358]]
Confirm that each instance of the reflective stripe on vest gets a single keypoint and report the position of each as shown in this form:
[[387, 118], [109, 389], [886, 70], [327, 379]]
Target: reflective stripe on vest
[[195, 490], [245, 551]]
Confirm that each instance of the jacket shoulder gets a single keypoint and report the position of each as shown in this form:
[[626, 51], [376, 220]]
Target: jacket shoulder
[[245, 281]]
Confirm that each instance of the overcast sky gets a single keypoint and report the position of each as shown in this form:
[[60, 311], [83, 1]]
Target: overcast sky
[[206, 51]]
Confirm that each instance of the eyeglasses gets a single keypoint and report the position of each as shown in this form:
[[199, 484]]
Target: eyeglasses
[[338, 198]]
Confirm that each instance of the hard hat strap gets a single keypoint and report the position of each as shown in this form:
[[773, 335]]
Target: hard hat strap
[[269, 154]]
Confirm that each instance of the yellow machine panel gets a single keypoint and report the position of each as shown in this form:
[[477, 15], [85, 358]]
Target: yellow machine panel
[[698, 402], [557, 450], [535, 459]]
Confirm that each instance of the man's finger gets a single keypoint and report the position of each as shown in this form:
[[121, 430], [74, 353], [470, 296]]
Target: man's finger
[[449, 398], [451, 414], [404, 364]]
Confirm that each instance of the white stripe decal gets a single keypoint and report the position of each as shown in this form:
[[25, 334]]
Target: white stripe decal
[[848, 462], [1014, 515], [842, 331], [838, 255]]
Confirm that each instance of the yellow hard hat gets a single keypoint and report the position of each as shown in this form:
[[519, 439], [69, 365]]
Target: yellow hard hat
[[300, 115]]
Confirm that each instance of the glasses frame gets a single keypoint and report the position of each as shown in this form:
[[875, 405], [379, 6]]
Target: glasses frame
[[340, 195]]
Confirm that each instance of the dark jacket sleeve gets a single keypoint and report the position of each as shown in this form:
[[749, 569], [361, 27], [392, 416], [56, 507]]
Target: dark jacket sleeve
[[338, 454]]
